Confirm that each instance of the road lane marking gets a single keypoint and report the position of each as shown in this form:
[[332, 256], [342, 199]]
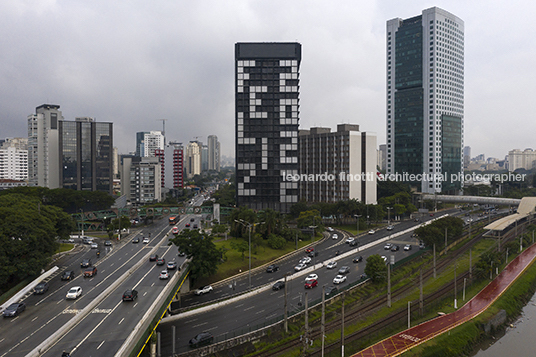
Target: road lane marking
[[100, 344], [35, 318], [135, 305], [190, 321], [152, 285], [259, 312], [112, 264], [249, 308], [269, 317], [121, 321], [239, 305], [204, 323], [145, 293]]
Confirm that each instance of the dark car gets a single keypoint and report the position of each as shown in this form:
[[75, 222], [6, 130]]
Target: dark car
[[108, 243], [312, 254], [272, 268], [331, 290], [187, 225], [182, 254], [14, 309], [204, 338], [353, 243], [136, 240], [195, 225], [278, 285], [90, 272], [41, 288], [395, 248], [192, 219], [357, 259], [68, 275], [130, 295], [344, 270], [153, 257], [160, 261], [86, 263]]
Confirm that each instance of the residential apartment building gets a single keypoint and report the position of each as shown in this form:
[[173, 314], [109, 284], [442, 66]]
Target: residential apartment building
[[518, 159], [425, 98], [141, 181], [214, 158], [337, 166], [266, 124], [193, 159], [14, 159], [43, 146]]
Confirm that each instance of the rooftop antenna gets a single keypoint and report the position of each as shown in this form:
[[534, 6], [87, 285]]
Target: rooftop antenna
[[163, 129]]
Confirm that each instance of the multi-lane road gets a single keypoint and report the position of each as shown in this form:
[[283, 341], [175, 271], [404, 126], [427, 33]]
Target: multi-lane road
[[248, 313], [103, 331]]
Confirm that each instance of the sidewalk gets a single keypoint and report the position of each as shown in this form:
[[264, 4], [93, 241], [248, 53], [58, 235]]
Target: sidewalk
[[405, 340]]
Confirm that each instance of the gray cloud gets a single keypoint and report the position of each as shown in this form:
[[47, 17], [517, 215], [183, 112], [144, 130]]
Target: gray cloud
[[133, 62]]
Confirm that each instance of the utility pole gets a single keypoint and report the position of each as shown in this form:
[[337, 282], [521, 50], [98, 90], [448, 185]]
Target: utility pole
[[421, 295], [470, 264], [455, 286], [323, 316], [306, 337], [342, 327], [286, 311], [435, 274], [409, 314], [445, 240], [388, 285]]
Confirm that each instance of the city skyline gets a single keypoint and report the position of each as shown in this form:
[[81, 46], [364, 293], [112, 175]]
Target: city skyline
[[115, 68]]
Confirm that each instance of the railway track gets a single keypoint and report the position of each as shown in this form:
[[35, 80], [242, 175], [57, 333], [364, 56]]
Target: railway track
[[369, 307]]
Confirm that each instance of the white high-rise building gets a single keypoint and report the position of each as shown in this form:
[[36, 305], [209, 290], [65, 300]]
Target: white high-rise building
[[425, 98], [193, 159], [153, 140], [43, 146], [14, 159]]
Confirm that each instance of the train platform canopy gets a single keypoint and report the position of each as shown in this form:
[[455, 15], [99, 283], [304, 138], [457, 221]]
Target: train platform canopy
[[527, 207]]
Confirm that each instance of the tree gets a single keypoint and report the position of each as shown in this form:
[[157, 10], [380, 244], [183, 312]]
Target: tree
[[199, 247], [28, 236], [276, 242], [376, 268], [272, 222], [240, 246]]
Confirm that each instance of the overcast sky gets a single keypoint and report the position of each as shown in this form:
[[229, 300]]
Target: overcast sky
[[135, 62]]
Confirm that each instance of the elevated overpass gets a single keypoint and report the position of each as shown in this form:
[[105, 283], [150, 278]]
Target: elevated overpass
[[473, 199]]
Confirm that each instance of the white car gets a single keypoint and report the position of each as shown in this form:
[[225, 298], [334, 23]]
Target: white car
[[390, 228], [145, 240], [94, 246], [203, 290], [335, 236], [384, 259], [349, 240], [300, 266], [331, 265], [387, 246], [74, 292], [164, 274], [372, 231], [305, 260], [312, 277], [339, 279], [407, 247], [330, 229]]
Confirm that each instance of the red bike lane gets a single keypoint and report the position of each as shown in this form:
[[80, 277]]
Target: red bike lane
[[405, 340]]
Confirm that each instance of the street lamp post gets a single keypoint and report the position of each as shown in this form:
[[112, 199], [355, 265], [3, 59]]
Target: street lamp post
[[357, 216], [81, 210], [250, 226], [389, 215]]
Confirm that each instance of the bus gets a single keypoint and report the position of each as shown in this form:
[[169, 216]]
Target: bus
[[173, 220]]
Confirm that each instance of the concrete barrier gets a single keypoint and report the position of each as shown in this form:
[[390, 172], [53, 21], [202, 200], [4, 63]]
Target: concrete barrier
[[28, 288], [55, 337]]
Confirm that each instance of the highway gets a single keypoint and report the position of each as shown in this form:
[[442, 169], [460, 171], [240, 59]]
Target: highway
[[102, 332], [243, 314]]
